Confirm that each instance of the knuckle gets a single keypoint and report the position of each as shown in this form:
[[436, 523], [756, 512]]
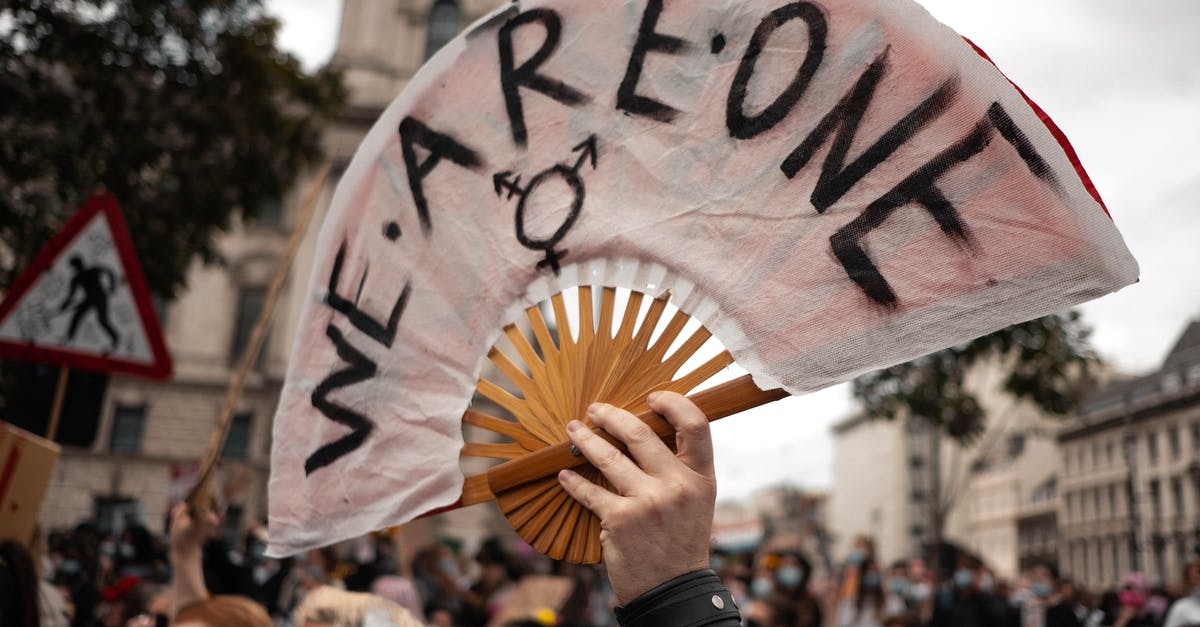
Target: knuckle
[[641, 433], [609, 458]]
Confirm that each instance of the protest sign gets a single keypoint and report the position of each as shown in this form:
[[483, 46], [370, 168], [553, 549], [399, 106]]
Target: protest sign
[[829, 187], [26, 465], [83, 302]]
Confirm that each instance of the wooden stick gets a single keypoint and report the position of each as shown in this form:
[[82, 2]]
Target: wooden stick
[[60, 393], [200, 496], [716, 403]]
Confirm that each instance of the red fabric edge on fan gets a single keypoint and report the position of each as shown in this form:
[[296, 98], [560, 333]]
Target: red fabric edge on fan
[[1054, 130]]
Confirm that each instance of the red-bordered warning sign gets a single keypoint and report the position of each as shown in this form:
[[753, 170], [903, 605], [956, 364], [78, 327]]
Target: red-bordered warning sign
[[83, 301]]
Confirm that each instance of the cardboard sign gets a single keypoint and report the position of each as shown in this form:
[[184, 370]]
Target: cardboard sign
[[829, 186], [26, 466], [83, 301]]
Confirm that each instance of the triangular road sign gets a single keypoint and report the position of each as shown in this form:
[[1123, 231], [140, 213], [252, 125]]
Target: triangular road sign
[[83, 301]]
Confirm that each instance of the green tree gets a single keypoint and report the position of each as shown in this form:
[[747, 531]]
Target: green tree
[[1047, 362], [185, 109]]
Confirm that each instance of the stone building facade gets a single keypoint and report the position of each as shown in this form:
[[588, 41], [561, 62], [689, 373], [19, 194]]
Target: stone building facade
[[150, 432], [1130, 484]]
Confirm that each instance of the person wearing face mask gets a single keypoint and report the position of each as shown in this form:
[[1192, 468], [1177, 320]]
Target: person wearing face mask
[[791, 581], [1186, 611], [861, 599], [962, 604], [897, 589]]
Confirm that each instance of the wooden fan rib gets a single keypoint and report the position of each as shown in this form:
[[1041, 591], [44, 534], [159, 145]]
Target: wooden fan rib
[[506, 428], [493, 450], [518, 408], [543, 526], [476, 490], [541, 398], [667, 338], [555, 382], [673, 363], [717, 363], [516, 498]]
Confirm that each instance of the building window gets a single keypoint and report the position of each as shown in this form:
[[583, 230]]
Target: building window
[[1173, 442], [1070, 507], [1112, 499], [1152, 447], [1108, 452], [1196, 437], [129, 421], [1100, 560], [1096, 502], [249, 306], [1177, 495], [1155, 498], [237, 443], [445, 20]]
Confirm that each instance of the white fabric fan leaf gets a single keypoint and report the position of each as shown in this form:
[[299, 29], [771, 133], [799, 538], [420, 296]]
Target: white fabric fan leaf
[[830, 187]]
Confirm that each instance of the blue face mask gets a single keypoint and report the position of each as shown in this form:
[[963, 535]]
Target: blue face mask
[[1040, 589], [898, 586], [788, 576], [871, 580], [856, 557], [963, 578], [68, 567], [761, 588]]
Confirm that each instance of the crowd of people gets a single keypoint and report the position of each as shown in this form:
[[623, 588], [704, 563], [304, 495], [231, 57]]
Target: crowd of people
[[90, 579], [659, 570]]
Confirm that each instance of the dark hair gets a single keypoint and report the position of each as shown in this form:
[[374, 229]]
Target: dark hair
[[18, 586]]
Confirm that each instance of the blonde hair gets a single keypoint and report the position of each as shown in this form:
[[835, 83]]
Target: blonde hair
[[349, 609]]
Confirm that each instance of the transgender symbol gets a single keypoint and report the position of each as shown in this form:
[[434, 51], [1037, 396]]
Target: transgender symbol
[[570, 176]]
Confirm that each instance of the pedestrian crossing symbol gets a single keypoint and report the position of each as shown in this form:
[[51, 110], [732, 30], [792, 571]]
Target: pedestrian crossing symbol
[[83, 301]]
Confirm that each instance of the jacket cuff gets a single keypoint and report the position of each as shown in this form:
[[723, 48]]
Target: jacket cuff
[[692, 600]]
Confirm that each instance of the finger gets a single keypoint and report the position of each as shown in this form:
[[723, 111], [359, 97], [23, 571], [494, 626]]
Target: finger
[[646, 447], [589, 495], [693, 439], [617, 468]]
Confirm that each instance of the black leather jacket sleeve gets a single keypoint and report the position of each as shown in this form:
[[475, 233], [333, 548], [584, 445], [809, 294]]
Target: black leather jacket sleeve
[[696, 599]]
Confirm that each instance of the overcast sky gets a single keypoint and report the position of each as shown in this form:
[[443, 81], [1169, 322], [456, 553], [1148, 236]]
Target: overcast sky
[[1121, 78]]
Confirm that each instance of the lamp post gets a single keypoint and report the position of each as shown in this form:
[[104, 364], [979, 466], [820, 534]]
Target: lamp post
[[1129, 449]]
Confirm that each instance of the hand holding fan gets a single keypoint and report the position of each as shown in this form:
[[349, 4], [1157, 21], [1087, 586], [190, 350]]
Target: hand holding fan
[[828, 187]]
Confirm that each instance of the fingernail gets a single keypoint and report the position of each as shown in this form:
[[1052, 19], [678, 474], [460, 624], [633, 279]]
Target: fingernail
[[595, 408], [653, 397], [574, 426], [565, 475]]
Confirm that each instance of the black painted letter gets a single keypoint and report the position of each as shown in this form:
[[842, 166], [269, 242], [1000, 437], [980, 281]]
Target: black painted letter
[[413, 132], [647, 41], [921, 188], [360, 369], [382, 333], [742, 126], [512, 78], [836, 178]]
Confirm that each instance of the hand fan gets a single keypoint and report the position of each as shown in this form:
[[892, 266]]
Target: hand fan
[[828, 187]]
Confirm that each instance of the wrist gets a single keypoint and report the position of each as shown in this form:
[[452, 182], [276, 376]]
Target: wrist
[[693, 598]]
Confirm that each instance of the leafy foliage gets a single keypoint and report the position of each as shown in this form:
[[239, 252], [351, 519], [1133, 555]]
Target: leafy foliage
[[1048, 362], [184, 109]]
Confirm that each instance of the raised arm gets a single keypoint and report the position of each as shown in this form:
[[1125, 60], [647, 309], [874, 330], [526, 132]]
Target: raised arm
[[186, 549], [656, 527]]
